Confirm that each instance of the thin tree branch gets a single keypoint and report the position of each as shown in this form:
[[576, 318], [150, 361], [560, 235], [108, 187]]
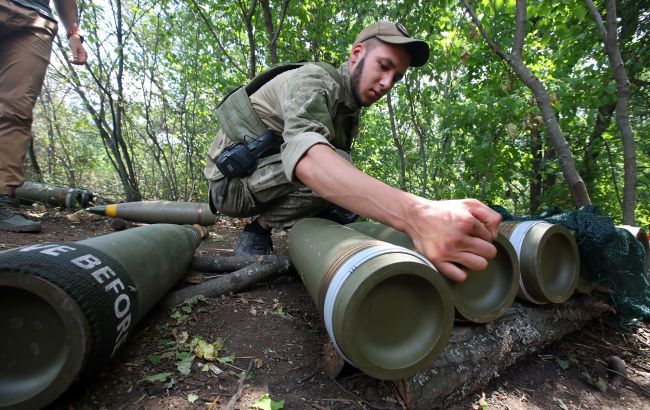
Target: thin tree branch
[[283, 14], [208, 23], [493, 45], [598, 19], [520, 31]]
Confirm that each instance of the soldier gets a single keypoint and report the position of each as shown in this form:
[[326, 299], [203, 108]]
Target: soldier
[[312, 110], [27, 29]]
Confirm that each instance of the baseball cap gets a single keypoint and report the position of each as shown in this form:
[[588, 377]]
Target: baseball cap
[[396, 33]]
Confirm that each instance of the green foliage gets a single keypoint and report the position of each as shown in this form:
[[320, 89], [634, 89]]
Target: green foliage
[[463, 121], [266, 403]]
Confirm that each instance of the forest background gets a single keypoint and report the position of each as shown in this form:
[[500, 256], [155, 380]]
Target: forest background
[[518, 106]]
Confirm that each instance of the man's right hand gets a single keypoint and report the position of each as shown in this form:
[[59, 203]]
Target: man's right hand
[[456, 236]]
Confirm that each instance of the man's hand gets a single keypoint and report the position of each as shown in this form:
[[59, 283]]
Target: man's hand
[[79, 54], [455, 236]]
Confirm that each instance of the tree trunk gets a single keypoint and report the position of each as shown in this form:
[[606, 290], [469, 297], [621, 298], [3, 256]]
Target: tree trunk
[[422, 143], [536, 175], [514, 59], [594, 144], [251, 270], [475, 355], [33, 162], [250, 31], [271, 31], [115, 145], [608, 36], [398, 144]]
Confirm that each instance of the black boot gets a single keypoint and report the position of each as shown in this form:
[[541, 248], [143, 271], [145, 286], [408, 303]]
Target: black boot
[[254, 240], [12, 220]]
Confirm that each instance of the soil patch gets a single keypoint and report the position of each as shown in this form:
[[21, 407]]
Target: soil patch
[[276, 330]]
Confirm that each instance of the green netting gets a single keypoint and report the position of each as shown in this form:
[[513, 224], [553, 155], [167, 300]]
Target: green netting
[[610, 256]]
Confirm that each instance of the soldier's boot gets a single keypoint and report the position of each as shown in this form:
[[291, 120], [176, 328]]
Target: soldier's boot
[[12, 220], [253, 240]]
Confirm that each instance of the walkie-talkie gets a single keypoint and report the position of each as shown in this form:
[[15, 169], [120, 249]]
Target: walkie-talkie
[[240, 160]]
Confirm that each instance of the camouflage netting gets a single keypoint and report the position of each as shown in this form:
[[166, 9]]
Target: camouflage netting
[[610, 256]]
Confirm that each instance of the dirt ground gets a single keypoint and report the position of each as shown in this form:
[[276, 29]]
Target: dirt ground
[[275, 330]]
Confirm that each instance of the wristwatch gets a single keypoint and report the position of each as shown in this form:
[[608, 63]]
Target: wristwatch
[[74, 31]]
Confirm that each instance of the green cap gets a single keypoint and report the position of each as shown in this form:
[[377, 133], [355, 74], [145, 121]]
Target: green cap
[[396, 33]]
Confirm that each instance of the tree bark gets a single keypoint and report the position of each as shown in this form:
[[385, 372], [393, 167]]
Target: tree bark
[[272, 32], [536, 176], [250, 271], [475, 355], [115, 146], [250, 31], [608, 36], [33, 161], [514, 59], [594, 143], [398, 144], [422, 143]]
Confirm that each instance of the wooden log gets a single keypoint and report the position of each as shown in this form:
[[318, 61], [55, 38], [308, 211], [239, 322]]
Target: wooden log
[[476, 354], [230, 263], [258, 269]]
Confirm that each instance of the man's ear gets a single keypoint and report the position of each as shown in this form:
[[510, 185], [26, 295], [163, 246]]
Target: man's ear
[[357, 52]]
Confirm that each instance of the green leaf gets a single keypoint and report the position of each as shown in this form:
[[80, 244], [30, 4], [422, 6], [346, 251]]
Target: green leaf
[[184, 363], [226, 359], [194, 300], [205, 350], [265, 403], [160, 377], [154, 359], [192, 397], [564, 364], [599, 382], [183, 355]]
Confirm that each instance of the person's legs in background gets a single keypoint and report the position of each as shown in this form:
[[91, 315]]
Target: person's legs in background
[[25, 47]]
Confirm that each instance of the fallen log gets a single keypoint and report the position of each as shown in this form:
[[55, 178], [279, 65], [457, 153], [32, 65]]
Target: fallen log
[[228, 263], [251, 270], [475, 354]]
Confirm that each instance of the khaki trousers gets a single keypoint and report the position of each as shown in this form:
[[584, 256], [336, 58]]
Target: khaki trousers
[[25, 45]]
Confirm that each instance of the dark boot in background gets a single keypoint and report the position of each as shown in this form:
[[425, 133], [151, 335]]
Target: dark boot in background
[[12, 220]]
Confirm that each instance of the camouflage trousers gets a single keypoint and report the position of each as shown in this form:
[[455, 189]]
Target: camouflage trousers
[[268, 193]]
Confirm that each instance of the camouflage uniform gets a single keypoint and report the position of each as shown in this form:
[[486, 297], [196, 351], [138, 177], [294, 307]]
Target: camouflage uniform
[[307, 106]]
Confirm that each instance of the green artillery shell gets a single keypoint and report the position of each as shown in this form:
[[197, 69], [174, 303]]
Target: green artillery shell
[[483, 296], [548, 259], [159, 212], [47, 194], [66, 308], [386, 309]]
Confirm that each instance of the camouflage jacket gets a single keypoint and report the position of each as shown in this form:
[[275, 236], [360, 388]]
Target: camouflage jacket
[[306, 105]]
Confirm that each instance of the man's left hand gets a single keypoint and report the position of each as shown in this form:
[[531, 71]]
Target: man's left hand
[[79, 54]]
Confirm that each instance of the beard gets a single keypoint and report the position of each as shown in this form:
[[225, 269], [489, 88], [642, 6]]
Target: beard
[[355, 79]]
